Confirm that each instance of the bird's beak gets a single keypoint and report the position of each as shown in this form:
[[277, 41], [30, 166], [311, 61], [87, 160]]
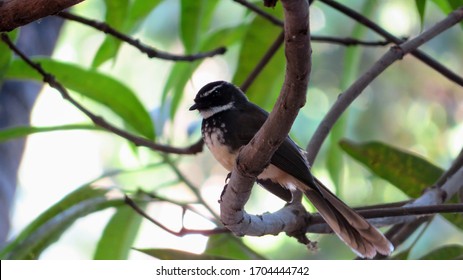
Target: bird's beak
[[194, 107]]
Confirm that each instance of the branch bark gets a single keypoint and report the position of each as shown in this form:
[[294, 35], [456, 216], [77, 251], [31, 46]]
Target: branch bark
[[256, 155], [15, 13]]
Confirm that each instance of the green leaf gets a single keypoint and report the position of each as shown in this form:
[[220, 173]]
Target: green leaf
[[402, 255], [107, 50], [455, 4], [335, 160], [138, 12], [449, 252], [407, 171], [22, 131], [116, 14], [444, 5], [195, 19], [6, 54], [126, 20], [421, 7], [455, 218], [92, 84], [230, 247], [178, 77], [171, 254], [118, 236], [51, 224], [190, 22], [259, 37]]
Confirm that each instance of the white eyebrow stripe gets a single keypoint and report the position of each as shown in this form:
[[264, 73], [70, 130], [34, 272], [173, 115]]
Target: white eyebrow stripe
[[207, 93]]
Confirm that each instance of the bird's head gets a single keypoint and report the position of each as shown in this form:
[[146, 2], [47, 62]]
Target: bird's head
[[217, 97]]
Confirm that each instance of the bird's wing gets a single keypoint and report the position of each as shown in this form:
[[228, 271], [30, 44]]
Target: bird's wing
[[288, 157]]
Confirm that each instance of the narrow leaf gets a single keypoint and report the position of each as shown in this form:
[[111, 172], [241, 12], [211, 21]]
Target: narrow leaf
[[421, 7], [51, 224], [118, 236], [116, 14], [138, 12], [6, 54], [335, 159], [107, 50], [171, 254], [455, 218], [92, 84], [444, 5], [259, 36], [407, 171], [449, 252], [190, 22], [229, 247], [22, 131]]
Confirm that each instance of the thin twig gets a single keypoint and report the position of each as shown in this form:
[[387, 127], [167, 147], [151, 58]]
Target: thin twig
[[263, 62], [395, 53], [183, 231], [388, 36], [276, 21], [149, 51], [315, 38], [347, 41], [97, 120], [191, 187]]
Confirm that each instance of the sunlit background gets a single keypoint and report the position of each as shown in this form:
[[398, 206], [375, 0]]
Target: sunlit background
[[410, 106]]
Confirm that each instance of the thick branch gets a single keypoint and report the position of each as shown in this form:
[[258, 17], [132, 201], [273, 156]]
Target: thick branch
[[256, 155], [97, 120], [394, 54], [15, 13]]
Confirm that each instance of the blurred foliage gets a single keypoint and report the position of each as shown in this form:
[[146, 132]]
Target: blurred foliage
[[415, 112]]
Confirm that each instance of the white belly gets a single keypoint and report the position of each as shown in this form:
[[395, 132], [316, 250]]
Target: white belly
[[221, 152]]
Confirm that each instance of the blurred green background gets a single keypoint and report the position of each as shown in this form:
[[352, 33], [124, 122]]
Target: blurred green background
[[410, 107]]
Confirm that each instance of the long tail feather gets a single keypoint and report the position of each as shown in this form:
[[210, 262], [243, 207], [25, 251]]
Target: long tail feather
[[362, 237]]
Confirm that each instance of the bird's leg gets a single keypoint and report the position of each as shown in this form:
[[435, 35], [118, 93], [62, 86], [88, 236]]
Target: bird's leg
[[225, 187]]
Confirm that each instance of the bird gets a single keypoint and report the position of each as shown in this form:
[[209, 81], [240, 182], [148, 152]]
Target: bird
[[230, 121]]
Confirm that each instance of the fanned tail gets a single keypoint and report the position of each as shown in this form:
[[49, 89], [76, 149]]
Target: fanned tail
[[362, 237]]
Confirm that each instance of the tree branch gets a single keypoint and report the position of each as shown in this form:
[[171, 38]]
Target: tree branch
[[149, 51], [318, 224], [183, 231], [314, 38], [97, 120], [395, 53], [388, 36], [15, 13], [256, 155]]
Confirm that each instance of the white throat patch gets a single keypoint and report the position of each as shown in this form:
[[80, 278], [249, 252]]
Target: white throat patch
[[214, 110]]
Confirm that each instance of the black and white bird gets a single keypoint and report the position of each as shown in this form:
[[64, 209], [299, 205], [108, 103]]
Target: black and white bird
[[230, 121]]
